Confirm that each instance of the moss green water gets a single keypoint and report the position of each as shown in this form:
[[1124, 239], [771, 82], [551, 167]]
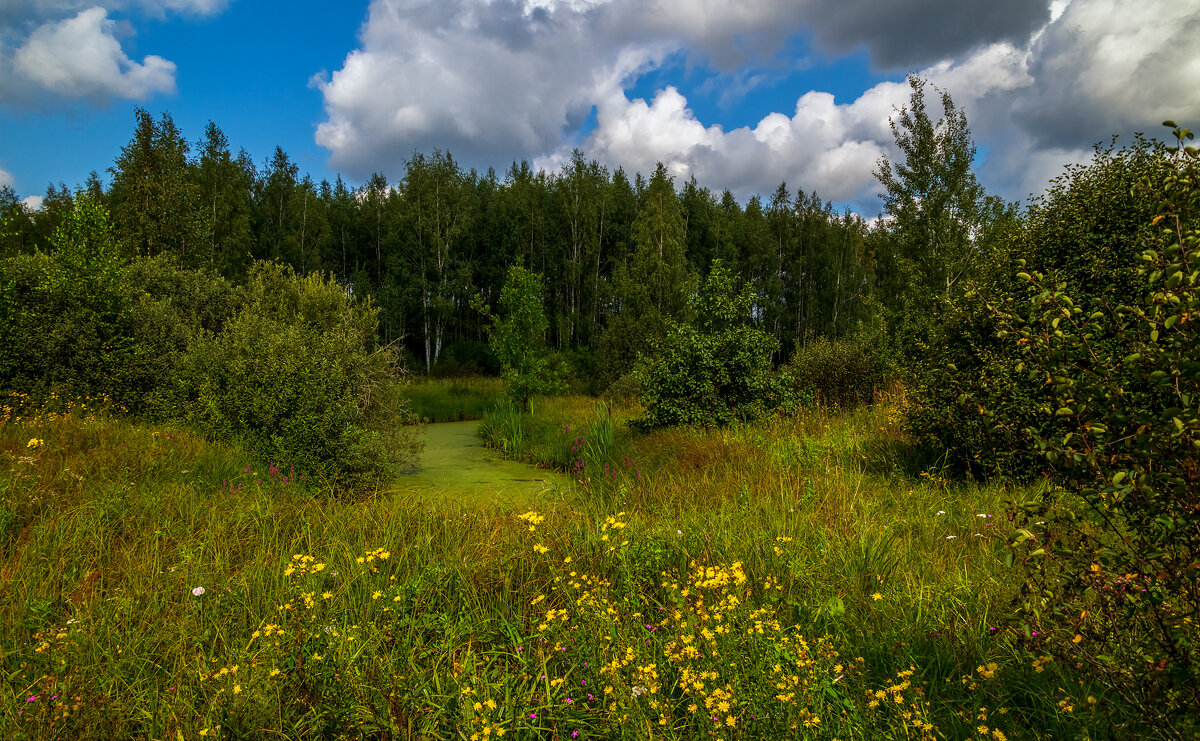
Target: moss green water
[[456, 466]]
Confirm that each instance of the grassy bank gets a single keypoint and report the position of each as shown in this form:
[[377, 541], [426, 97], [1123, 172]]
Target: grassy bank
[[454, 400], [783, 580]]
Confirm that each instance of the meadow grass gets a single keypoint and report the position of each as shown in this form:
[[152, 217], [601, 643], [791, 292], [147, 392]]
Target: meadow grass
[[455, 399], [784, 579]]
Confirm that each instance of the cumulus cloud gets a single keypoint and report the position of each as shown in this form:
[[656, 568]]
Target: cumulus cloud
[[918, 32], [6, 178], [1106, 66], [496, 79], [478, 78], [70, 49], [79, 57], [33, 203]]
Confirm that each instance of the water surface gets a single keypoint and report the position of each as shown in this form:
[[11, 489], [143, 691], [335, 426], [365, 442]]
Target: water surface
[[455, 465]]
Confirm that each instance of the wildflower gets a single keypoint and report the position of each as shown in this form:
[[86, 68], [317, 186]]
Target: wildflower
[[877, 596], [951, 537], [35, 443], [539, 548], [197, 591], [237, 688], [941, 512]]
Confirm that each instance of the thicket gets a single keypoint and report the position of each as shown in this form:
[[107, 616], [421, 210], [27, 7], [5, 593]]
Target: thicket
[[715, 369], [845, 372], [1078, 359], [1114, 559], [1087, 232], [285, 364]]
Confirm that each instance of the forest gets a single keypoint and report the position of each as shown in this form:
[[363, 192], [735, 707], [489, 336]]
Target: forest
[[424, 243], [928, 475]]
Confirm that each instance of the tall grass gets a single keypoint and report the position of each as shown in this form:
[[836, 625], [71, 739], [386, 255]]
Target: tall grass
[[454, 400], [755, 582]]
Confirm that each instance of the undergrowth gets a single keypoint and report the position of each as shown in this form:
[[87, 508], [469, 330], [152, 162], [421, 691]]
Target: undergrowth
[[786, 579]]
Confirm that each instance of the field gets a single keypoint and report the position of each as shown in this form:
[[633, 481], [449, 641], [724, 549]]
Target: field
[[796, 578]]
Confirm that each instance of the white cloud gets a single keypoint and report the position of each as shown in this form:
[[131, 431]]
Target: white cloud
[[493, 80], [63, 50], [33, 203], [79, 57], [1106, 66], [6, 178]]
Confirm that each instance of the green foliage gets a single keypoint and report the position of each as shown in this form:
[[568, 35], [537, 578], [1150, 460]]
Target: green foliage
[[152, 199], [941, 223], [66, 315], [716, 370], [652, 289], [1114, 560], [1084, 232], [846, 372], [518, 339], [294, 376]]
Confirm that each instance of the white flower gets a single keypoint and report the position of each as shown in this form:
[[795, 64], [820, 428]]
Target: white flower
[[197, 591], [982, 515], [639, 691], [679, 533], [951, 537], [941, 512]]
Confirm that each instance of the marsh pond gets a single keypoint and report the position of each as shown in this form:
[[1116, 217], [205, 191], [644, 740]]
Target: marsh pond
[[456, 465]]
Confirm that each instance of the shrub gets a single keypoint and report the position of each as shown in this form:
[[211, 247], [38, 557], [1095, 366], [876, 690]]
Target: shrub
[[518, 339], [294, 377], [846, 372], [715, 371], [971, 401], [1113, 558]]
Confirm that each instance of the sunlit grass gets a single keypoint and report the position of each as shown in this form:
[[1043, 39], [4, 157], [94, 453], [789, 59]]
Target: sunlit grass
[[830, 572]]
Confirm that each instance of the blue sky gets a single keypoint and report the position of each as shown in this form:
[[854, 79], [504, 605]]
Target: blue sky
[[738, 93]]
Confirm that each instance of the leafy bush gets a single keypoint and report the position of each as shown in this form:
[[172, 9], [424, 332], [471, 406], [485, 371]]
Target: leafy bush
[[466, 358], [518, 339], [1114, 557], [294, 377], [971, 400], [715, 371], [845, 372], [83, 322]]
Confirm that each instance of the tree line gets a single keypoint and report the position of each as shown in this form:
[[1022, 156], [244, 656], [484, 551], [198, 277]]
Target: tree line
[[618, 255]]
